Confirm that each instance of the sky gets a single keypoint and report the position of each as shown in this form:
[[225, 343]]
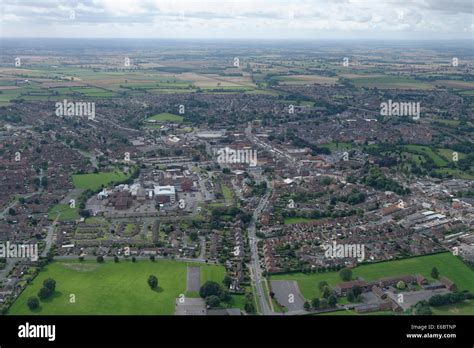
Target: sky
[[239, 19]]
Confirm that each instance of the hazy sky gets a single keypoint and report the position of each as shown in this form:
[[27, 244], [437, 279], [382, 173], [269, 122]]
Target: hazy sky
[[268, 19]]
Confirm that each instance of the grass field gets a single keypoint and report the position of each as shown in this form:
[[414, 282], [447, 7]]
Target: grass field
[[388, 82], [447, 264], [296, 220], [94, 181], [464, 308], [66, 212], [112, 288], [166, 117]]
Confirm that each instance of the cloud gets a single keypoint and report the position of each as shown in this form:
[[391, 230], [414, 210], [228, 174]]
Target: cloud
[[237, 18]]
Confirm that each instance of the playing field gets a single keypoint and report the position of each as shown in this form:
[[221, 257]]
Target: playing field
[[448, 266], [94, 181], [166, 117], [113, 288]]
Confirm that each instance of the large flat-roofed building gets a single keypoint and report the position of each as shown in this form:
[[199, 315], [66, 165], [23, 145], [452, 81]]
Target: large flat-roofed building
[[165, 194]]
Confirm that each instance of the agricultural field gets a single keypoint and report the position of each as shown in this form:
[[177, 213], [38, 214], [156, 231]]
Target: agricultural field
[[447, 264], [306, 79], [390, 82], [94, 181], [112, 288]]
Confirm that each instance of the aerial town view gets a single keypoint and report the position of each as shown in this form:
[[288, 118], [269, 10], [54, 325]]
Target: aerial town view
[[221, 159]]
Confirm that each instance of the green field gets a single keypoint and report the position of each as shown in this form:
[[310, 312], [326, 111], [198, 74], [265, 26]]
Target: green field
[[166, 117], [66, 212], [296, 220], [94, 181], [112, 288], [447, 264], [425, 150], [389, 82], [464, 308]]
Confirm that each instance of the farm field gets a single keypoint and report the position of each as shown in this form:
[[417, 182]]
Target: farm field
[[389, 82], [112, 288], [447, 264], [94, 181]]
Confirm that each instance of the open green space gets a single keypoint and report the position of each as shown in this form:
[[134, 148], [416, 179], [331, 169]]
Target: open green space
[[448, 266], [65, 212], [94, 181], [166, 117], [112, 288], [464, 308], [390, 82], [296, 220]]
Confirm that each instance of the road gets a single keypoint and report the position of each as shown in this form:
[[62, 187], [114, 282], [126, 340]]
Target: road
[[256, 269], [255, 261]]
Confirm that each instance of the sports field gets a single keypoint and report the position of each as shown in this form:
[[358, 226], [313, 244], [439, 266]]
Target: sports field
[[113, 288], [448, 266], [166, 117], [94, 181]]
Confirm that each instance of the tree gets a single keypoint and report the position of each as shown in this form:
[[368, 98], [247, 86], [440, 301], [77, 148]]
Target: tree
[[307, 306], [50, 284], [152, 258], [350, 296], [100, 259], [134, 259], [332, 300], [227, 280], [345, 274], [322, 285], [213, 301], [315, 303], [116, 259], [326, 292], [249, 307], [33, 302], [44, 293], [153, 282], [210, 288], [401, 285], [434, 273]]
